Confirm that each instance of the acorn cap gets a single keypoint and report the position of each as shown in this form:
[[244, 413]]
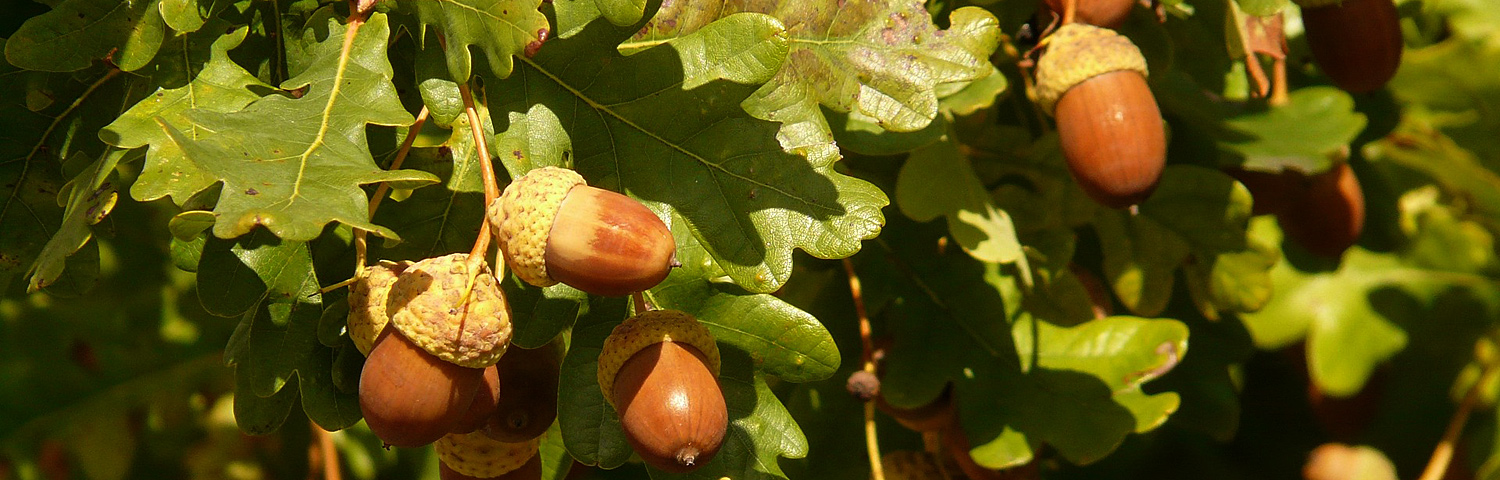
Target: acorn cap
[[426, 305], [645, 329], [367, 316], [477, 455], [523, 216], [1078, 52], [1317, 3]]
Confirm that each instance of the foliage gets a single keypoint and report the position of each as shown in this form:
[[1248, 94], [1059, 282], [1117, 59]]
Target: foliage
[[182, 183]]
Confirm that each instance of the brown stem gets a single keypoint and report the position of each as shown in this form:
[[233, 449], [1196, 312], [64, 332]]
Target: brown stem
[[639, 298], [361, 244], [330, 454], [1442, 455], [872, 444], [491, 191]]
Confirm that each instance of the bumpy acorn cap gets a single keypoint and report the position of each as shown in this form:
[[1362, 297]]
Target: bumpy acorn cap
[[647, 328], [367, 316], [426, 305], [1078, 52], [523, 216], [477, 455]]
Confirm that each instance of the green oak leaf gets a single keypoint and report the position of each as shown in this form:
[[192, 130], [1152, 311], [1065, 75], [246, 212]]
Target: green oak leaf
[[296, 164], [1441, 239], [77, 32], [859, 134], [1140, 255], [186, 16], [1315, 122], [217, 84], [440, 93], [938, 181], [747, 200], [573, 15], [1206, 379], [1262, 8], [1454, 168], [555, 459], [89, 197], [883, 60], [1458, 82], [500, 29], [966, 98]]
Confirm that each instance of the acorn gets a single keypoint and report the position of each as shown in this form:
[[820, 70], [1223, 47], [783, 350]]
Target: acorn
[[486, 400], [367, 295], [1327, 212], [1103, 13], [1272, 192], [1357, 43], [528, 405], [477, 455], [422, 374], [552, 227], [660, 369], [1093, 81]]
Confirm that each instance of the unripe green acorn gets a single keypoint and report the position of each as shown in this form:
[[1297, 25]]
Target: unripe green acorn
[[660, 371], [1104, 13], [1110, 129], [477, 455], [528, 403], [367, 296], [1357, 43], [552, 227]]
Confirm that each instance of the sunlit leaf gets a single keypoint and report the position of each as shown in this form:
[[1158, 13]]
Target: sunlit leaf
[[500, 29]]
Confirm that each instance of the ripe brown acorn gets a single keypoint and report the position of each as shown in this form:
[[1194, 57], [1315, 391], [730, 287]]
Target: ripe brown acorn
[[528, 404], [1104, 13], [411, 398], [552, 227], [1273, 192], [1327, 212], [486, 399], [1357, 43], [1093, 81], [660, 371]]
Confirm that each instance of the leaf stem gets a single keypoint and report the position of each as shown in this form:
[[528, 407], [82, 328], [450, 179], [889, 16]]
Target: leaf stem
[[361, 244], [872, 444], [1442, 455], [640, 303]]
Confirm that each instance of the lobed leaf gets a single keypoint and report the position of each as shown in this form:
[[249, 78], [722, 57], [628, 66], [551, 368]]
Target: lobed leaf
[[77, 32], [499, 28]]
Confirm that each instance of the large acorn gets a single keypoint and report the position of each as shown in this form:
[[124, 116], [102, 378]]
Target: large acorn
[[1094, 81], [552, 227], [423, 372], [660, 371], [528, 403], [1357, 43]]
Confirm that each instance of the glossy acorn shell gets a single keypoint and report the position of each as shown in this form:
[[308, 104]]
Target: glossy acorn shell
[[1357, 43], [486, 399], [1112, 137], [608, 244], [1328, 212], [409, 397], [528, 402], [671, 406], [1103, 13]]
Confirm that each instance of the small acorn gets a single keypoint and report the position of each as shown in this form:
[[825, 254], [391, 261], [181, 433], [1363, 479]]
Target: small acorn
[[367, 295], [552, 227], [479, 456], [422, 374], [1357, 43], [528, 405], [660, 371], [936, 416], [1327, 213], [1093, 81], [1103, 13]]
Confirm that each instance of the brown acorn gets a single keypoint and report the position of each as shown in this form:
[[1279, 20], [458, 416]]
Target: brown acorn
[[1357, 43], [935, 416], [486, 400], [1327, 213], [1103, 13], [409, 397], [1273, 192], [552, 227], [1093, 81], [447, 323], [660, 371], [528, 405]]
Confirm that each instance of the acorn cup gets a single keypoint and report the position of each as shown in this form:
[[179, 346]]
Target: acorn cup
[[422, 374], [1357, 43], [367, 295], [660, 369], [552, 227], [1093, 81], [476, 455]]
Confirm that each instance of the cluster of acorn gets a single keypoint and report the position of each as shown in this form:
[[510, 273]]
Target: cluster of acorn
[[444, 372]]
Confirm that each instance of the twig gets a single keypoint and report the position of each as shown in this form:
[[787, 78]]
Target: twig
[[361, 243], [330, 454], [872, 445], [1442, 455]]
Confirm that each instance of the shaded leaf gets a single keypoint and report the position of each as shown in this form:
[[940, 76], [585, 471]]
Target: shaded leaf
[[77, 32], [89, 198], [573, 15], [937, 181], [1315, 121]]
